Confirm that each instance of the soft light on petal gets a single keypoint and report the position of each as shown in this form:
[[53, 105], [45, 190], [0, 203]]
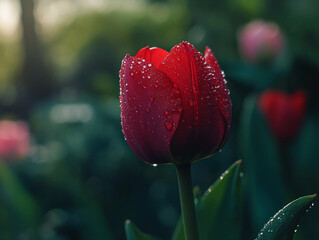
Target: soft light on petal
[[151, 109]]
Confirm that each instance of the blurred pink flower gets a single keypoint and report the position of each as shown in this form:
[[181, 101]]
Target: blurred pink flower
[[259, 40], [14, 140]]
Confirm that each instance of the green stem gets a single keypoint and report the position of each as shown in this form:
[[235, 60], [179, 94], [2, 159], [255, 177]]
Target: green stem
[[187, 201]]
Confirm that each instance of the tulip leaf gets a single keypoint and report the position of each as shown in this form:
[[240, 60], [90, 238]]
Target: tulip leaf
[[219, 211], [283, 225], [262, 164], [133, 233], [18, 203]]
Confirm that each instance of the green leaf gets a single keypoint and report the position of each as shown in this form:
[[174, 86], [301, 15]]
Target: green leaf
[[18, 203], [219, 211], [262, 164], [133, 233], [283, 225], [97, 227]]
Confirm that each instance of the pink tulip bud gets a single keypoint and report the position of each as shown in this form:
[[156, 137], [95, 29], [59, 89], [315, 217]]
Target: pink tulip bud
[[259, 41], [14, 140]]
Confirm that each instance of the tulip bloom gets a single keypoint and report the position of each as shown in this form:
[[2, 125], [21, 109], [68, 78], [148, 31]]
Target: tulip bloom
[[175, 105], [283, 112], [14, 139], [260, 40]]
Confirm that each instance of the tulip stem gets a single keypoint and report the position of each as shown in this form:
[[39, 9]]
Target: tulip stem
[[187, 201]]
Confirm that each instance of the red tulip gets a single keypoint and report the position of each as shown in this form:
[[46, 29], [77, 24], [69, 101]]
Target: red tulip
[[175, 105], [14, 139], [260, 40], [283, 112]]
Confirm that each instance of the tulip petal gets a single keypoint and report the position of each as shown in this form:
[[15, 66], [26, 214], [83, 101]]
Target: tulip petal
[[149, 104], [226, 109], [205, 120], [152, 55]]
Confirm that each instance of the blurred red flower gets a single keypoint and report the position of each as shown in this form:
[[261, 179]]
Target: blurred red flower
[[259, 40], [14, 139], [175, 105], [283, 112]]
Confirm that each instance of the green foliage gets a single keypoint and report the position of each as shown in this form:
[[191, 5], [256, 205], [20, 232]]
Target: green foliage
[[19, 209], [262, 163], [219, 211], [133, 233], [284, 224]]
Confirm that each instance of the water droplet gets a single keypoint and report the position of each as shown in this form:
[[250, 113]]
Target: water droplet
[[169, 125], [191, 103], [132, 74], [155, 86], [147, 110], [144, 86], [152, 99], [154, 165]]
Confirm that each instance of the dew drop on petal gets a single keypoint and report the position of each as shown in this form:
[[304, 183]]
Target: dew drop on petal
[[169, 125]]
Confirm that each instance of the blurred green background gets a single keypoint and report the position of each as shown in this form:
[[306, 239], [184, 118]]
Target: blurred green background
[[59, 64]]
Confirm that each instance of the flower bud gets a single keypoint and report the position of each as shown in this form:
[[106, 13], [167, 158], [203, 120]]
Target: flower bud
[[175, 105], [284, 113], [259, 41], [14, 140]]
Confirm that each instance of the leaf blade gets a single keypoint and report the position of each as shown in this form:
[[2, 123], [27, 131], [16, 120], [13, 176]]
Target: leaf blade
[[283, 224], [133, 233], [219, 208]]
